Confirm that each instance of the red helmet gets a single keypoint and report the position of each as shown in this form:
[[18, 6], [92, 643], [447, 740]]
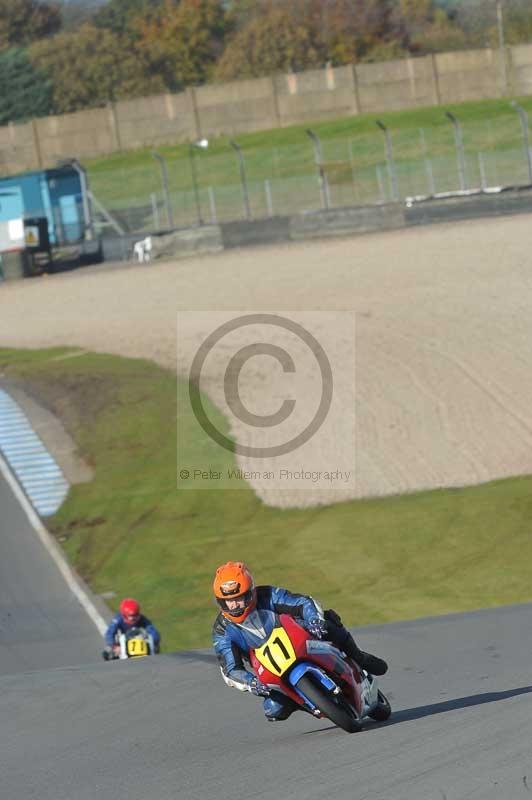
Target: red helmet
[[130, 610], [235, 591]]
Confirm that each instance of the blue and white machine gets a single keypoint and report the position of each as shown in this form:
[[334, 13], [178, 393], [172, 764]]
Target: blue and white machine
[[55, 194]]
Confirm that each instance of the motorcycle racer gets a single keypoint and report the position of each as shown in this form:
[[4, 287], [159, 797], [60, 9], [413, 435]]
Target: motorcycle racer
[[237, 596], [129, 616]]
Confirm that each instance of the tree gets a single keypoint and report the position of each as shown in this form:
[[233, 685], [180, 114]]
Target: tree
[[90, 67], [24, 90], [271, 42], [75, 12], [478, 20], [365, 30], [121, 15], [429, 28], [517, 24], [181, 43], [25, 21], [310, 33]]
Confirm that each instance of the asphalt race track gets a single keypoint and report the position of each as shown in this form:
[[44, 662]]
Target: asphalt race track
[[42, 625], [75, 728], [167, 727]]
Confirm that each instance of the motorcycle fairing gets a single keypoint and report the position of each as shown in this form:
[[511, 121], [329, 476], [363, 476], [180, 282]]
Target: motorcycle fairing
[[137, 646], [136, 643], [277, 655], [304, 655], [304, 668]]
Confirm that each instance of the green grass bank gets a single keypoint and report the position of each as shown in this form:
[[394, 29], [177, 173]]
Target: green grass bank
[[353, 153], [132, 530]]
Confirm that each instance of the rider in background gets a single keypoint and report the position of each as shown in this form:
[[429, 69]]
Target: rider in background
[[237, 596], [128, 617]]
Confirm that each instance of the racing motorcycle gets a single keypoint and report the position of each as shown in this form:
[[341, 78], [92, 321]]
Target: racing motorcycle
[[134, 643], [315, 674]]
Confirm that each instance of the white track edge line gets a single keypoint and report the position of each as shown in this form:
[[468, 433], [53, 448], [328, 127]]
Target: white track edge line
[[53, 549]]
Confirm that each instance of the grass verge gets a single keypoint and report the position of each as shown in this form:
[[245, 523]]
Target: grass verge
[[133, 531], [284, 153]]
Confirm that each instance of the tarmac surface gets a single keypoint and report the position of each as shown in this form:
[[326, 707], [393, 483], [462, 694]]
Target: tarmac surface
[[75, 728], [42, 625], [167, 727]]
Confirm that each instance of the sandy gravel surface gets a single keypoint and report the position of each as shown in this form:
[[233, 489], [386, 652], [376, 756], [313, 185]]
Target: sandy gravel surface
[[440, 386]]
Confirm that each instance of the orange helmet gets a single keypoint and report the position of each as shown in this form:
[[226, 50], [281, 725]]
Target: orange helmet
[[234, 589]]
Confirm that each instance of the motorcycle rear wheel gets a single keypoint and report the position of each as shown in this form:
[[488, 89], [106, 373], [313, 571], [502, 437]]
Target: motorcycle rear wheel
[[333, 706], [382, 712]]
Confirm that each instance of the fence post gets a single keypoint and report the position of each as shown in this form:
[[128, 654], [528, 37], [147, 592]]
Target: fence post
[[428, 163], [36, 143], [155, 211], [324, 189], [355, 89], [193, 172], [430, 176], [459, 142], [380, 183], [526, 141], [512, 87], [212, 203], [276, 108], [502, 48], [115, 126], [195, 113], [482, 170], [164, 180], [269, 201], [435, 79], [392, 175], [242, 169], [200, 144], [352, 164]]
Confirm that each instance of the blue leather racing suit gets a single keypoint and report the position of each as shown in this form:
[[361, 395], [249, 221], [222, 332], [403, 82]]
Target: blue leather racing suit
[[232, 644], [119, 625]]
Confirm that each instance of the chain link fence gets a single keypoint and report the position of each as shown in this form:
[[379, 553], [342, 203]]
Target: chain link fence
[[248, 182]]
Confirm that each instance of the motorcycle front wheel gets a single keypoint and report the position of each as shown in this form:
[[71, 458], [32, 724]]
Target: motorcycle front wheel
[[335, 707]]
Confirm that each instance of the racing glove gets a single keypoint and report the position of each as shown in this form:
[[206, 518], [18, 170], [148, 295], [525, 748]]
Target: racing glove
[[257, 688], [109, 653], [317, 627]]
